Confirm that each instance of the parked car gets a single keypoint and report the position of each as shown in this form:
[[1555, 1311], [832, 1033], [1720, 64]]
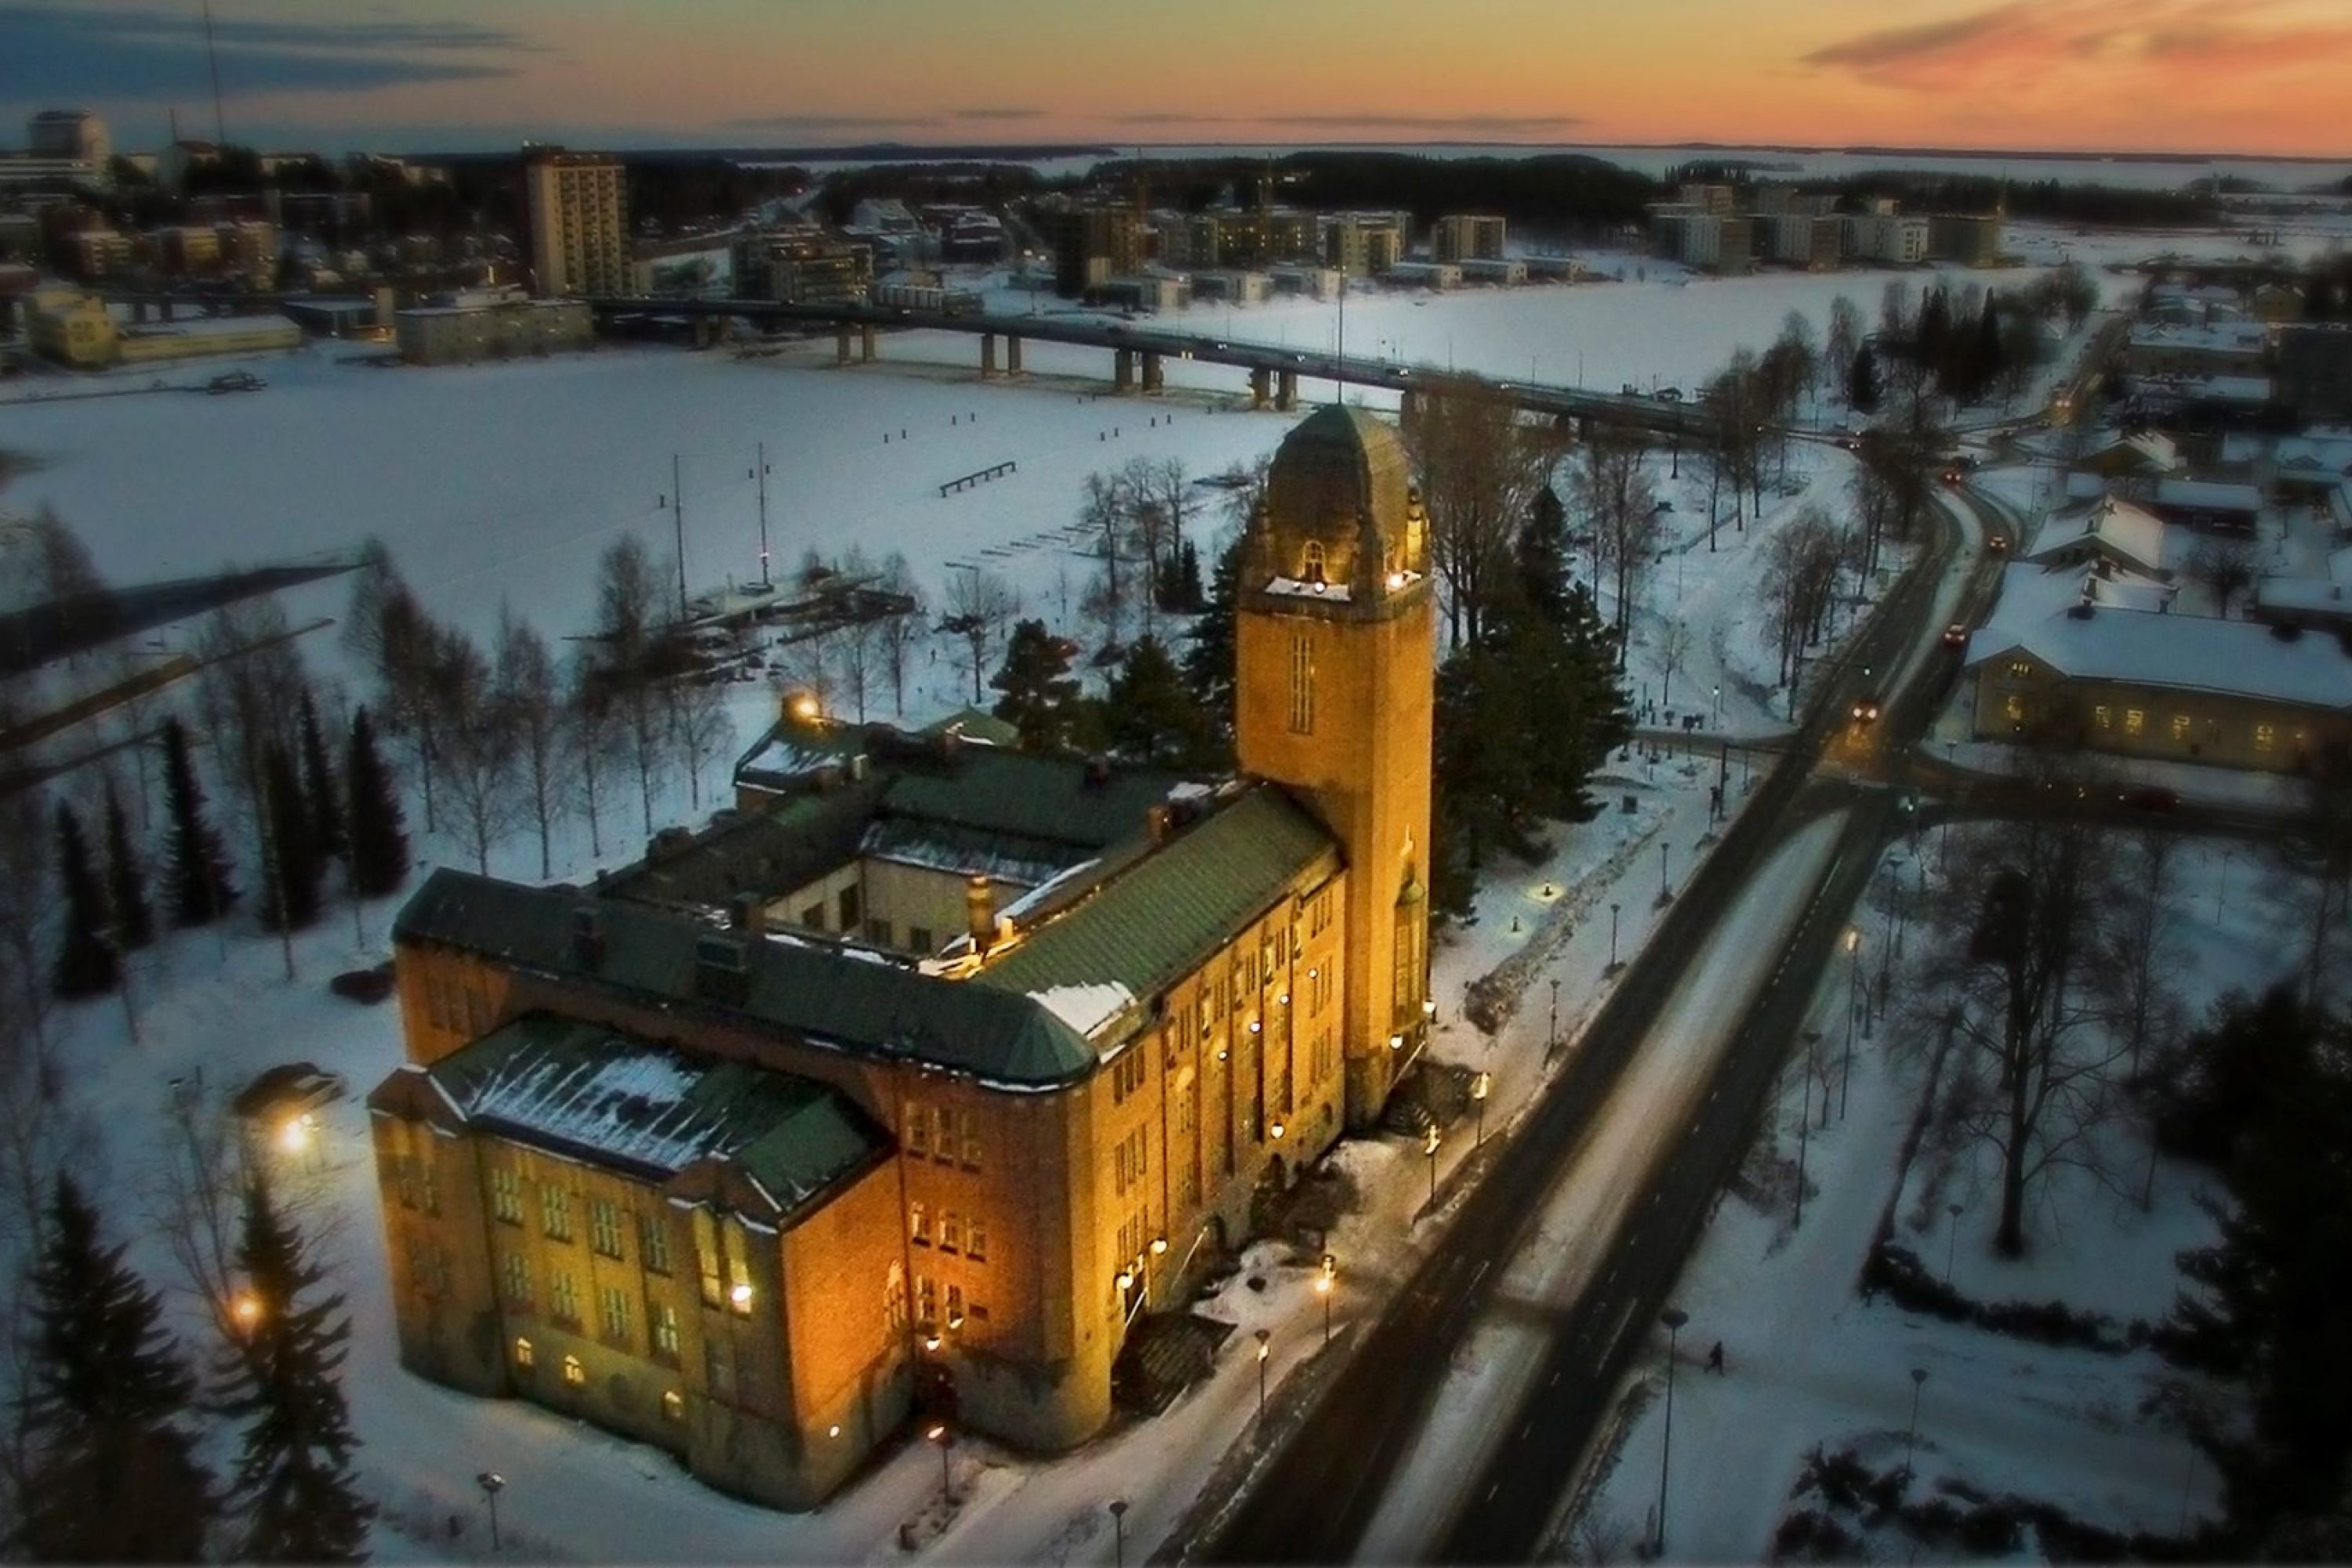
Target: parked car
[[2150, 797], [1956, 634]]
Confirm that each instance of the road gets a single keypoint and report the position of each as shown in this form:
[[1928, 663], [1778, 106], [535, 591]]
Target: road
[[1313, 1499]]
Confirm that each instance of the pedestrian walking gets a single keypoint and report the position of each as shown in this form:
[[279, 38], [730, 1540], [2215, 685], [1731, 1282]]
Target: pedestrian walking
[[1715, 1357]]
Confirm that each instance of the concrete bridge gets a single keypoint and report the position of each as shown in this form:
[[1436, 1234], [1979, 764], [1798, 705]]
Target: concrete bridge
[[1140, 357]]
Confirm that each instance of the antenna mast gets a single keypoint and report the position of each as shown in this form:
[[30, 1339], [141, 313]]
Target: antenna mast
[[212, 61]]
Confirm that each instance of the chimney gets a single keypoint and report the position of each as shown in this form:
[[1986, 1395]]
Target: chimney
[[588, 936], [980, 910], [1155, 822], [748, 915], [722, 970]]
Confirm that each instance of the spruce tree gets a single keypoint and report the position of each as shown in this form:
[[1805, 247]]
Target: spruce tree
[[110, 1474], [1188, 568], [1150, 716], [1989, 361], [292, 1486], [134, 923], [1040, 698], [292, 863], [379, 841], [1209, 660], [318, 791], [201, 891], [1862, 381], [85, 962]]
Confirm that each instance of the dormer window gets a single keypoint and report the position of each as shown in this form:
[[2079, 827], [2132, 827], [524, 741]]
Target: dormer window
[[1312, 569]]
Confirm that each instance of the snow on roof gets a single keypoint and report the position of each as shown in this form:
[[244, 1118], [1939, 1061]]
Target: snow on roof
[[2227, 337], [1086, 1008], [2311, 595], [2247, 389], [2109, 526], [1335, 592], [2208, 495], [2182, 653], [2151, 446]]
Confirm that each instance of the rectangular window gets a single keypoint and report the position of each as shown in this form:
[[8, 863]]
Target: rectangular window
[[848, 906], [1302, 685], [919, 1225], [918, 1129], [920, 938], [739, 1275], [574, 1374], [562, 1297], [2181, 729], [506, 1195], [926, 1299], [2266, 736], [673, 1405], [525, 1356], [2102, 716], [971, 1140], [516, 1270], [2135, 721], [605, 1227], [2014, 707], [555, 1212], [613, 1315], [664, 1325], [653, 1242], [813, 916], [950, 1231], [879, 932], [718, 1369], [975, 1239], [955, 1306], [706, 1255], [2020, 671]]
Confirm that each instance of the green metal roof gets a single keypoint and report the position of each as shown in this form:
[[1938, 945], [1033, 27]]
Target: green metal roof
[[762, 853], [1062, 800], [977, 724], [823, 994], [618, 1100], [1172, 908]]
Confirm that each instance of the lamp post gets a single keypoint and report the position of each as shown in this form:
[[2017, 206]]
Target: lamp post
[[1952, 1242], [1674, 1317], [1664, 893], [1613, 943], [939, 1435], [1478, 1088], [1118, 1533], [1262, 1336], [1552, 1040], [1324, 1285], [1911, 1440], [1804, 1122], [492, 1483], [1853, 976], [1430, 1148]]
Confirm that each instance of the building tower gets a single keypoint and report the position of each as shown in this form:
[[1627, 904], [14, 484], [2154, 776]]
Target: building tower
[[578, 206], [1334, 694]]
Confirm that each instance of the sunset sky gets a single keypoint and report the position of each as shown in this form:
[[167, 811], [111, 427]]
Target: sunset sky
[[2246, 75]]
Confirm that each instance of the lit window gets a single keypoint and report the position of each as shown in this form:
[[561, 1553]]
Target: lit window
[[2104, 716], [2266, 736], [975, 1239], [555, 1211], [506, 1195], [951, 1232], [673, 1405], [1311, 562], [665, 1320], [524, 1354], [2135, 721], [2020, 671], [919, 1129], [1302, 685], [2014, 706], [653, 1244], [919, 1225], [612, 1310], [517, 1270], [574, 1374], [2181, 729], [562, 1297], [605, 1227]]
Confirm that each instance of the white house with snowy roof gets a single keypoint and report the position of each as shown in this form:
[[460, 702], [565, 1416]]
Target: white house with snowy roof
[[2110, 529]]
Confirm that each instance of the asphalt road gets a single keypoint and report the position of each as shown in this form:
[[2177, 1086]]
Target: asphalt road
[[1313, 1499]]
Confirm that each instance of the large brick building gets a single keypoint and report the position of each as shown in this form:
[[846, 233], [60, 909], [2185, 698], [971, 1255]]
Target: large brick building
[[915, 1078]]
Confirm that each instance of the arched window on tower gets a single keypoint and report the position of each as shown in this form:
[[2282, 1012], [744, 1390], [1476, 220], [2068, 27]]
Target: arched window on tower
[[1311, 567]]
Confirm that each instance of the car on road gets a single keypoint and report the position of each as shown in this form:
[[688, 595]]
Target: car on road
[[1866, 711], [2150, 797], [1998, 543], [1956, 634]]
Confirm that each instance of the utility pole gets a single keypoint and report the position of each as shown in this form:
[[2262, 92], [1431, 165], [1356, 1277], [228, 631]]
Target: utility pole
[[759, 472], [212, 60], [677, 517]]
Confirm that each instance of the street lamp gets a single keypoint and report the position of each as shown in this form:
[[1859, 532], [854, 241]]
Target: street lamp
[[297, 1134], [1551, 1041], [1674, 1317], [1478, 1088], [1804, 1122], [492, 1483], [1430, 1149], [1612, 946], [1262, 1336], [1323, 1288], [1853, 978], [741, 1294], [1952, 1245], [1118, 1533], [1911, 1440], [246, 1311], [1665, 894], [939, 1435]]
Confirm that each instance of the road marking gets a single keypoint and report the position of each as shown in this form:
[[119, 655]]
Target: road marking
[[1491, 1490], [1555, 1381]]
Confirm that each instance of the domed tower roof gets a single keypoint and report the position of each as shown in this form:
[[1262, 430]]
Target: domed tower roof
[[1341, 520]]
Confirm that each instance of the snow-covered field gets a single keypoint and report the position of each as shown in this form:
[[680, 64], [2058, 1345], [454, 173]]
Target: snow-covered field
[[503, 484]]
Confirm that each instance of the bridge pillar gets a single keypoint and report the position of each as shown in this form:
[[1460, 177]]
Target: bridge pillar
[[1011, 355], [1408, 411], [1261, 386], [166, 307], [987, 355], [1285, 391], [841, 345], [1154, 375], [1122, 370], [865, 354]]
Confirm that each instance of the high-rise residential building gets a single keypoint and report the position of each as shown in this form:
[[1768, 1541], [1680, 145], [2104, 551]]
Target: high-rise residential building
[[926, 1075], [1364, 244], [1464, 236], [1093, 245], [803, 267], [578, 205]]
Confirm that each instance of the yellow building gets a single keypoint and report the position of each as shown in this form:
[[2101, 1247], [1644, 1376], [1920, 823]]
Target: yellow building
[[76, 329], [578, 206], [919, 1077]]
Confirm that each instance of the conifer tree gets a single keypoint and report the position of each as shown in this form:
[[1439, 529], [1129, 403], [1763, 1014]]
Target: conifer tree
[[134, 923], [379, 841], [1040, 698], [318, 791], [290, 861], [85, 962], [1209, 661], [110, 1474], [292, 1486], [1862, 381], [1150, 716], [1990, 359], [201, 891], [1188, 572]]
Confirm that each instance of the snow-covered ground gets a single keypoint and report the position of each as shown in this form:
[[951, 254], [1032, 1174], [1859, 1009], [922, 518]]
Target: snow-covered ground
[[503, 484], [1810, 1363]]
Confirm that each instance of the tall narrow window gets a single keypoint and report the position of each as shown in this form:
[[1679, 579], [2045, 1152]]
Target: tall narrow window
[[1311, 561], [1302, 685]]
